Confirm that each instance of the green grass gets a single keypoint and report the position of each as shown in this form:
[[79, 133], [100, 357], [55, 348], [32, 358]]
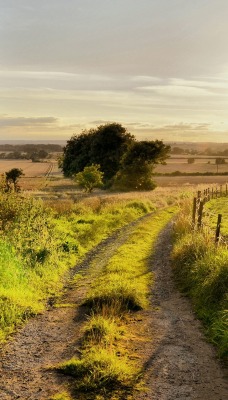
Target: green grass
[[215, 207], [124, 281], [99, 368], [102, 329], [122, 286], [39, 244], [201, 270], [61, 396]]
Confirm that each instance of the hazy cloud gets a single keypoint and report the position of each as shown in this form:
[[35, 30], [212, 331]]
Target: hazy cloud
[[22, 121]]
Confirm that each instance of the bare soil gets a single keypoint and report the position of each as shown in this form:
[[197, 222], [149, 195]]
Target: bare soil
[[168, 341]]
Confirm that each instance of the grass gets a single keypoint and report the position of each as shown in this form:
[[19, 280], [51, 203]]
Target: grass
[[121, 287], [100, 368], [215, 207], [201, 270], [40, 242]]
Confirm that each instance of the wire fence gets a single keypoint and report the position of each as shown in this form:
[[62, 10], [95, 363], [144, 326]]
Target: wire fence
[[202, 215]]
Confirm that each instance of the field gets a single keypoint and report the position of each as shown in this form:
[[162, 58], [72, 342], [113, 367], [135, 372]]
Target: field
[[45, 179], [201, 165]]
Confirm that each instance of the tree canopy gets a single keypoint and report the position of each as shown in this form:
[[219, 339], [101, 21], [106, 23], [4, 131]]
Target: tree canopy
[[121, 158], [11, 177], [104, 146], [90, 178], [137, 165]]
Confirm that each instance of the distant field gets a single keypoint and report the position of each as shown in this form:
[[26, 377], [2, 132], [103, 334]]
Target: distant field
[[29, 168], [46, 176], [200, 165], [165, 181], [36, 175]]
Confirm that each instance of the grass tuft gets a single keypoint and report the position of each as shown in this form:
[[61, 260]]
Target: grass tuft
[[99, 368]]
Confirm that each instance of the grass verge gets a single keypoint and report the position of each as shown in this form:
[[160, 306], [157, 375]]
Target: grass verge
[[38, 245], [201, 270]]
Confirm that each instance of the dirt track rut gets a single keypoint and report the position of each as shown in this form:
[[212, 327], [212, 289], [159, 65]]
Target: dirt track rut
[[178, 362]]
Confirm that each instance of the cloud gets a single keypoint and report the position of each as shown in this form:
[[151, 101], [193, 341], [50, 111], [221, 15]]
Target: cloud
[[30, 122]]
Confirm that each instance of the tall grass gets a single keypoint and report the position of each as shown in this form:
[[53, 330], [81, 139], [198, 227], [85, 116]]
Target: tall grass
[[201, 269], [40, 242]]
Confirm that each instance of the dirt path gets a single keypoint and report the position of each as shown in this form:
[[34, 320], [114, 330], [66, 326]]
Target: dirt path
[[178, 362], [53, 336]]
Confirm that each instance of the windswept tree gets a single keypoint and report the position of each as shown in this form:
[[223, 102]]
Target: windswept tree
[[138, 164], [12, 177]]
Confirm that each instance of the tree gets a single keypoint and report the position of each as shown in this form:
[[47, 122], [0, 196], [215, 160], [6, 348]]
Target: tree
[[191, 160], [110, 143], [104, 145], [12, 177], [90, 178], [77, 153], [138, 164]]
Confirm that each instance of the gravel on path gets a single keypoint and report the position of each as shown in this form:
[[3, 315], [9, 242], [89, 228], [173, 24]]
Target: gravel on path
[[178, 361]]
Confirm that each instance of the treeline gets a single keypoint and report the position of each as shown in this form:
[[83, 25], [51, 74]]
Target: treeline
[[17, 155], [207, 152], [29, 148], [33, 152]]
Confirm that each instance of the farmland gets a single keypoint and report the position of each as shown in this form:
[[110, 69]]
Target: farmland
[[47, 177], [201, 165]]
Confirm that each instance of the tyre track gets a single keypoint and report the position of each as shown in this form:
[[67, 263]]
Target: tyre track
[[53, 336]]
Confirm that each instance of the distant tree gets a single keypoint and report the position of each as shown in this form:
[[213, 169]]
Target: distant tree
[[12, 177], [138, 164], [104, 145], [219, 161], [177, 150], [110, 143], [90, 178], [191, 160], [42, 154]]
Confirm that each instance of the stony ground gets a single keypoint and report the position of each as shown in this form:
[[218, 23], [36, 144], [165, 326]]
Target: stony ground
[[177, 360]]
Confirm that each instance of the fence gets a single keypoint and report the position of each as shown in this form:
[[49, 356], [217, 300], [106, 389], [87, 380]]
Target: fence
[[198, 209]]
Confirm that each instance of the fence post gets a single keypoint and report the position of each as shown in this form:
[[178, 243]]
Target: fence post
[[220, 190], [200, 214], [194, 211], [217, 233], [226, 190]]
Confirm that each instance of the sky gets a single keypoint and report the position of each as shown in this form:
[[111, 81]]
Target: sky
[[158, 67]]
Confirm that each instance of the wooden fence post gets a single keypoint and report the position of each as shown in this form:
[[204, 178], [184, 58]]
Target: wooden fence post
[[194, 211], [200, 214], [217, 233]]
